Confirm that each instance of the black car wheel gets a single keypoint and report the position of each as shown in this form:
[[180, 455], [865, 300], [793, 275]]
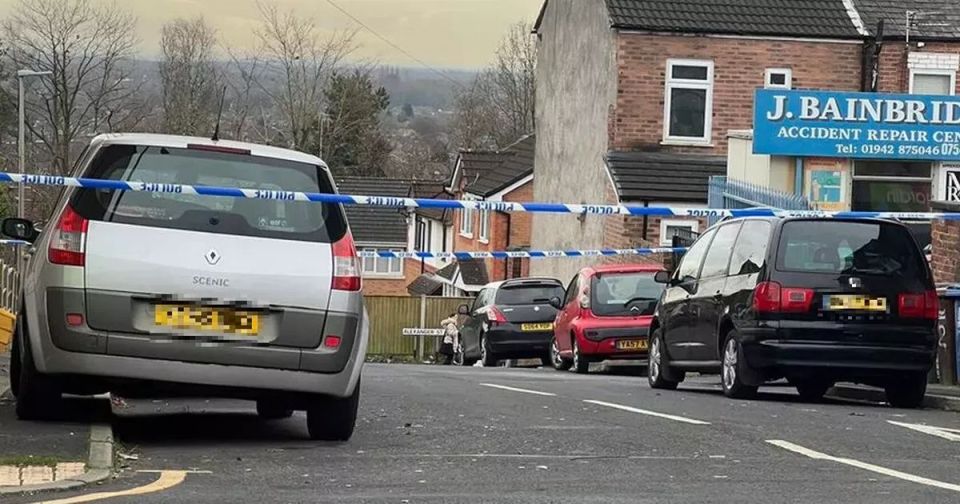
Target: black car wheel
[[559, 363], [659, 373], [38, 395], [580, 364], [907, 391], [487, 358], [734, 369], [333, 418], [270, 409]]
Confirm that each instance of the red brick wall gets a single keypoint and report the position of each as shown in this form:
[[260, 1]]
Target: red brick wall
[[946, 251], [373, 286], [519, 225], [739, 66], [894, 72]]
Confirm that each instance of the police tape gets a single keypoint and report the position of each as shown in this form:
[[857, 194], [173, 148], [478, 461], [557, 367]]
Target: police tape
[[526, 254], [14, 242], [494, 206]]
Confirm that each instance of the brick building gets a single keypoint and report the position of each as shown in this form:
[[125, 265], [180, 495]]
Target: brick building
[[636, 100]]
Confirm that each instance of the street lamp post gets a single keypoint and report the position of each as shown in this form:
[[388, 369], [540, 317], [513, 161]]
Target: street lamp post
[[21, 143]]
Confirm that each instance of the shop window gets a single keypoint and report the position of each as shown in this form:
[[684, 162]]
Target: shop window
[[933, 82], [891, 186], [778, 78], [688, 102]]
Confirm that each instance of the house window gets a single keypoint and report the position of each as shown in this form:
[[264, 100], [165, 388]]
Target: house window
[[688, 103], [382, 266], [671, 228], [778, 78], [422, 241], [466, 222], [484, 225], [933, 82]]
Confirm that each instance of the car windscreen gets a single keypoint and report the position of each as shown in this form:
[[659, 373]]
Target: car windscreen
[[291, 220], [842, 247], [528, 294], [624, 294]]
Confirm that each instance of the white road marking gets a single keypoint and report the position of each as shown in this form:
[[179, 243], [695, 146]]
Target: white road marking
[[675, 418], [514, 389], [786, 445], [941, 432]]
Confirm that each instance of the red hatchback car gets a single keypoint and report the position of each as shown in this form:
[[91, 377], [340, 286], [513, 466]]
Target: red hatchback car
[[606, 314]]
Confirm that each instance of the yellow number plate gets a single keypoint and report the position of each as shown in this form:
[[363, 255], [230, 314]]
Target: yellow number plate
[[639, 344], [207, 319], [548, 326], [855, 303]]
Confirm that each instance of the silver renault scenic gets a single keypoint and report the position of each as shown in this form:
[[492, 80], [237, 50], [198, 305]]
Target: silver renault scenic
[[172, 293]]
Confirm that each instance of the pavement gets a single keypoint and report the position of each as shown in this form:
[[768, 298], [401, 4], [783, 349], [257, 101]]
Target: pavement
[[432, 434]]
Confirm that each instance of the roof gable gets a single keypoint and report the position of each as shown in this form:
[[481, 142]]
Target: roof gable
[[785, 18], [487, 173]]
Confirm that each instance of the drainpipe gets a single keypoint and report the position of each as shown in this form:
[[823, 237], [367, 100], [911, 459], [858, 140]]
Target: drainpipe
[[798, 178]]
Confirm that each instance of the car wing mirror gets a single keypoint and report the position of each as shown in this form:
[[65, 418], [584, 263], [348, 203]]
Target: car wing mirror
[[663, 277], [19, 229]]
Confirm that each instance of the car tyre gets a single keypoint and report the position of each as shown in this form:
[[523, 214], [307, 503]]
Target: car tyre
[[580, 364], [487, 357], [333, 418], [908, 391], [733, 370], [659, 373], [38, 395], [812, 390], [558, 362], [271, 409]]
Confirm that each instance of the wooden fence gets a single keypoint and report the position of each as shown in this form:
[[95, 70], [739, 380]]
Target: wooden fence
[[390, 315]]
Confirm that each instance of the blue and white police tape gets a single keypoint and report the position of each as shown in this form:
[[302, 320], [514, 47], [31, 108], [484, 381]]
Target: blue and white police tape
[[13, 242], [526, 254], [495, 206]]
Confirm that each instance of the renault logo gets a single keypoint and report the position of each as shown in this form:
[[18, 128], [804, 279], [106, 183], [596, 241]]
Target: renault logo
[[855, 283], [212, 256]]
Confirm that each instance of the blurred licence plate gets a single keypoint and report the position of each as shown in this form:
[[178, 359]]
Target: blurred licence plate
[[632, 344], [207, 319], [547, 326], [854, 302]]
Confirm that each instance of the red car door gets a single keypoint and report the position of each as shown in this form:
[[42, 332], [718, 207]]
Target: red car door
[[567, 314]]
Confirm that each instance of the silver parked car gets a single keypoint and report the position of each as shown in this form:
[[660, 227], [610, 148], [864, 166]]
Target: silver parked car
[[172, 293]]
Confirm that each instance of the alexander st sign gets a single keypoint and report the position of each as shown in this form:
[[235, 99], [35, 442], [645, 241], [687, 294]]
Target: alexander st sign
[[857, 125]]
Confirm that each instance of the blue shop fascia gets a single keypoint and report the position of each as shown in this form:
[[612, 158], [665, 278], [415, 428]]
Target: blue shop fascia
[[853, 151]]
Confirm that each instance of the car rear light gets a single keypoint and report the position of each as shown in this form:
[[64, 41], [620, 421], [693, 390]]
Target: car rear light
[[218, 148], [771, 297], [331, 341], [346, 265], [495, 316], [74, 319], [68, 241], [922, 306]]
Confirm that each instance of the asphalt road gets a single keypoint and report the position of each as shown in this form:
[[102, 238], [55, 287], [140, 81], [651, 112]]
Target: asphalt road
[[450, 435]]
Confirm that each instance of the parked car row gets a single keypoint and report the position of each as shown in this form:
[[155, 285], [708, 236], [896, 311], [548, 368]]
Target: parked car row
[[814, 301]]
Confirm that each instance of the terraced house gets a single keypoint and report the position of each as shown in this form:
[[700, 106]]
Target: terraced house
[[642, 102]]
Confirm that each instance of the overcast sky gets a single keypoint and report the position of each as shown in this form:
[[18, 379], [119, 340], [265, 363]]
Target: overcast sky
[[445, 33]]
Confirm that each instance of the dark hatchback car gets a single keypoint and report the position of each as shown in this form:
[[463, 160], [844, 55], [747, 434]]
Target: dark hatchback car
[[815, 301], [512, 319]]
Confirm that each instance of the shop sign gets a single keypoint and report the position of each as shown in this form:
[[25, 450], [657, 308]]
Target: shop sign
[[951, 180], [856, 125]]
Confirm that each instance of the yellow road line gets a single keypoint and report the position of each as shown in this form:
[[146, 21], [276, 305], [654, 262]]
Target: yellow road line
[[167, 480]]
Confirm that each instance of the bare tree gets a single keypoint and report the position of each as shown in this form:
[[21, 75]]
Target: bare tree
[[189, 76], [299, 63], [87, 48], [243, 72], [498, 108]]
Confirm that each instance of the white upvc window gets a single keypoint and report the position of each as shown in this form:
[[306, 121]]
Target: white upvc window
[[670, 227], [778, 78], [466, 222], [933, 81], [382, 266], [484, 232], [688, 102]]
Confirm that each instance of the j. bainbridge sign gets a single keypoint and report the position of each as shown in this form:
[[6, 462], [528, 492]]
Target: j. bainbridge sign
[[857, 125]]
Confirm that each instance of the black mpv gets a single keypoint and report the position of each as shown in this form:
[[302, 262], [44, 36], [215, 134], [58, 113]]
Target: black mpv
[[812, 300]]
